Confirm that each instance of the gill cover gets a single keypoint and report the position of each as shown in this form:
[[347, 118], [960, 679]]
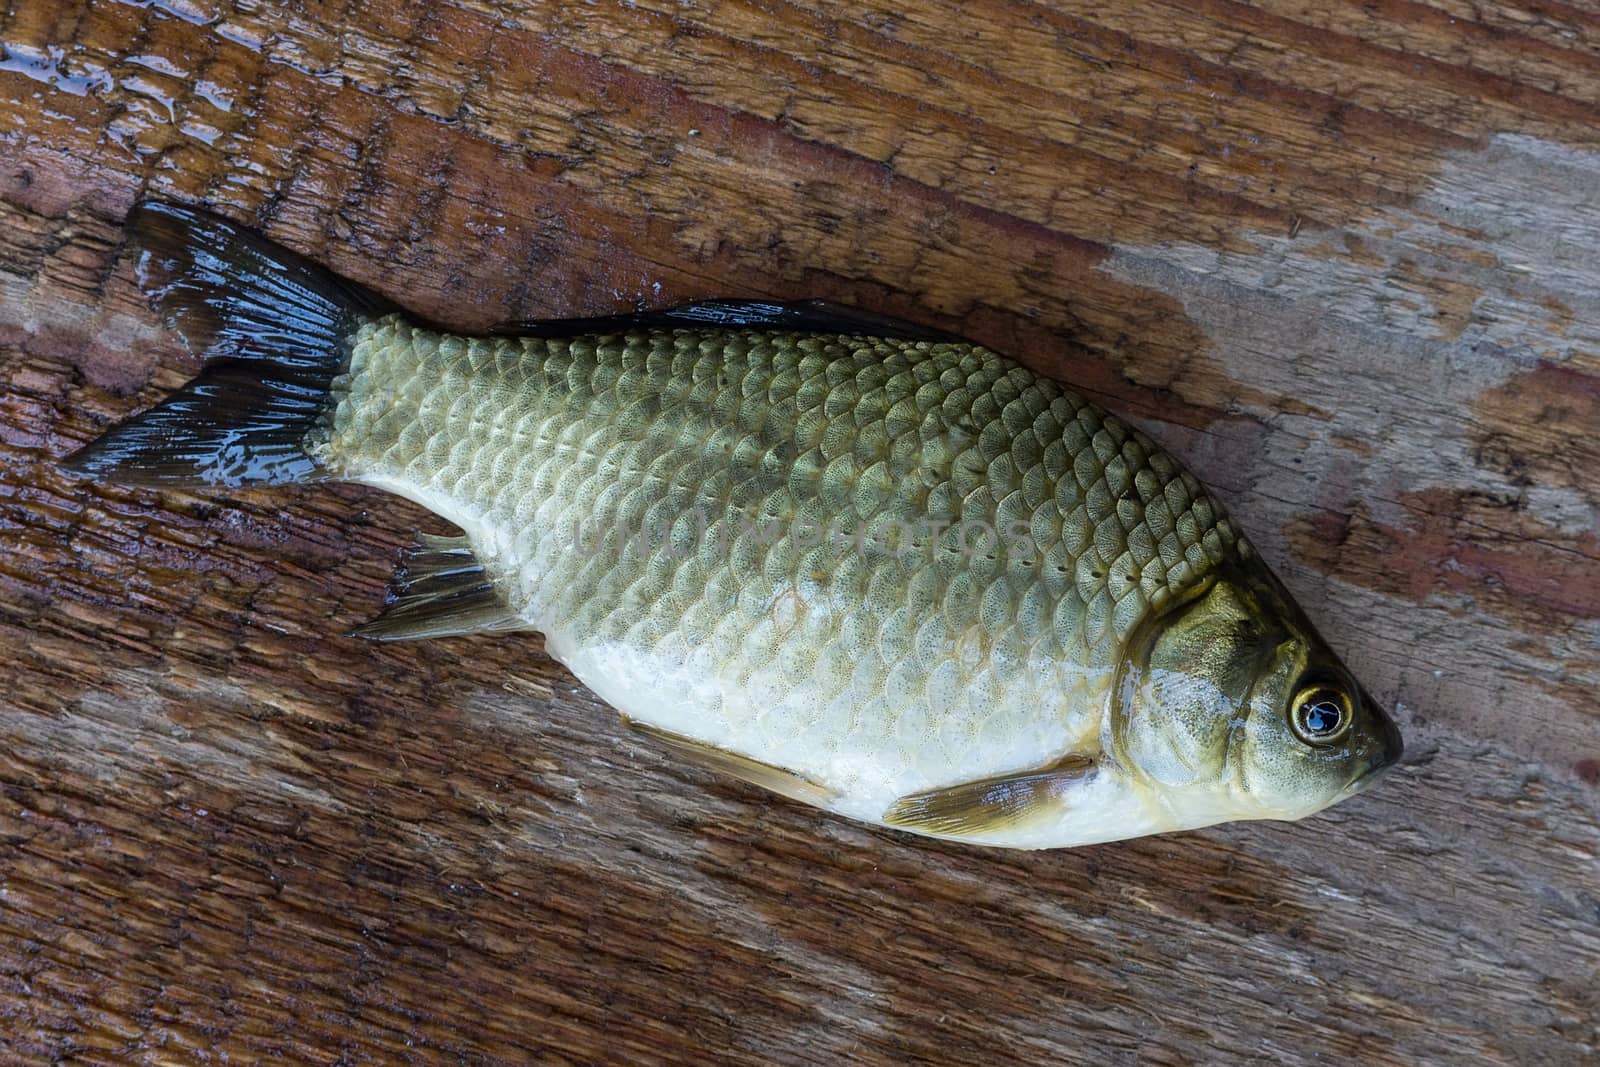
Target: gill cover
[[1186, 682]]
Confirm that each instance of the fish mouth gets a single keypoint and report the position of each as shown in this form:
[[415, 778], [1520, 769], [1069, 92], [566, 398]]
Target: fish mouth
[[1365, 779], [1386, 752]]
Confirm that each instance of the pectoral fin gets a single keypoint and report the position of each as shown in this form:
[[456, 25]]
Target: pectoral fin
[[777, 779], [440, 590], [990, 803]]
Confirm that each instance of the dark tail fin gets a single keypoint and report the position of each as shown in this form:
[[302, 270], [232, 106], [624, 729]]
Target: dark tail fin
[[275, 331]]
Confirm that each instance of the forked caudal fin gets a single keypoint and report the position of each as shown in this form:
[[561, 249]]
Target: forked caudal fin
[[274, 330]]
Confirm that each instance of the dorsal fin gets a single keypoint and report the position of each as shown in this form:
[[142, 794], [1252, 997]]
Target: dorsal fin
[[440, 590], [803, 316]]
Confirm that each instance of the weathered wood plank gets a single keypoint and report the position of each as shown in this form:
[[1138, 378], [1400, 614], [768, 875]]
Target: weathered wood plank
[[1340, 257]]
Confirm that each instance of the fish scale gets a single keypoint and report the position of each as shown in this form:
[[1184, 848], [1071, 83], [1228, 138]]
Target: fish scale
[[874, 568], [955, 661]]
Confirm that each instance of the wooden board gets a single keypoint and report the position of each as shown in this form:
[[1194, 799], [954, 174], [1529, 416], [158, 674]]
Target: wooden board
[[1344, 258]]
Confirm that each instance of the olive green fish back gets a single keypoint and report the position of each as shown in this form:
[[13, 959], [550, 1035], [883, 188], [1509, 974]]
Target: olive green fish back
[[633, 469]]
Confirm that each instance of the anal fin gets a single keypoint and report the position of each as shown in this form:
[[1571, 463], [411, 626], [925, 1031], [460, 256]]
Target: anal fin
[[776, 779], [988, 804], [440, 590]]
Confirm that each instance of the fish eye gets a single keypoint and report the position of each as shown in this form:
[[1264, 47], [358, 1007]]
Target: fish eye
[[1321, 714]]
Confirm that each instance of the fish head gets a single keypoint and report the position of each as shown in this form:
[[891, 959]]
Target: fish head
[[1229, 706]]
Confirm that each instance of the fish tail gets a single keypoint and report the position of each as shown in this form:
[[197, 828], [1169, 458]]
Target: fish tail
[[274, 330]]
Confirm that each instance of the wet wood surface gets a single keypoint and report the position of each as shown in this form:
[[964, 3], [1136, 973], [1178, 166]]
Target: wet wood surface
[[1343, 258]]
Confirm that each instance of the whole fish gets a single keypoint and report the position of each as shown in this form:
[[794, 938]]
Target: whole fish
[[867, 565]]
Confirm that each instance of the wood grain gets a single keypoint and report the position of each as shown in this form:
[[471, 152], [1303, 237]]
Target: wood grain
[[1341, 257]]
